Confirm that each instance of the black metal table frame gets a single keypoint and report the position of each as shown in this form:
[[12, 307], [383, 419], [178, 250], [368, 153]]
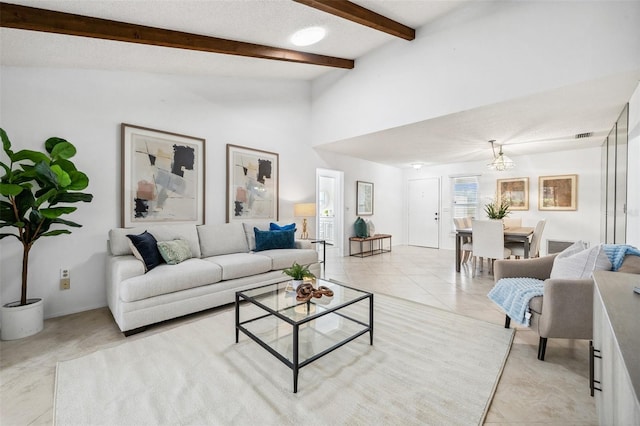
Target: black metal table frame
[[296, 365]]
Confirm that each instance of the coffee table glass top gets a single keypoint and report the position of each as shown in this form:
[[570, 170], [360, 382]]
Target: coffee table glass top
[[280, 299]]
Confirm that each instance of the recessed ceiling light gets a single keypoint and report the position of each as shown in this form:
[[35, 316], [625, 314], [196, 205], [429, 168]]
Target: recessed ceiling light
[[308, 36]]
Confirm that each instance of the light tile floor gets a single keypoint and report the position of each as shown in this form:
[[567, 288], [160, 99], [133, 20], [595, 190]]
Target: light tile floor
[[555, 391]]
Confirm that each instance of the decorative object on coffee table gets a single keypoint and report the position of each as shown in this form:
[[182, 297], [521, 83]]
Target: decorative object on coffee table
[[306, 292], [298, 273]]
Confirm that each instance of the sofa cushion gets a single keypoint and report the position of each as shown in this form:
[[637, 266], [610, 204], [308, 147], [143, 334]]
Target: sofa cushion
[[119, 243], [174, 252], [630, 264], [145, 248], [238, 265], [284, 258], [269, 240], [224, 238], [170, 278], [250, 234], [581, 264]]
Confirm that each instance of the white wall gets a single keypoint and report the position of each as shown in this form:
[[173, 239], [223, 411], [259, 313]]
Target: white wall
[[633, 170], [582, 224], [87, 107], [484, 53]]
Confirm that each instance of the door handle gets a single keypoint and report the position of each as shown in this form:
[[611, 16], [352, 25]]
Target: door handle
[[592, 379]]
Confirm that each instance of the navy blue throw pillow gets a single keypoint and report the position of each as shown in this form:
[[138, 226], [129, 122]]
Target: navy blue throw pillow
[[268, 240], [276, 227], [147, 250]]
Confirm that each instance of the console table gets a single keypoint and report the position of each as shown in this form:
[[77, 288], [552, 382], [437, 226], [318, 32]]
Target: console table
[[375, 246]]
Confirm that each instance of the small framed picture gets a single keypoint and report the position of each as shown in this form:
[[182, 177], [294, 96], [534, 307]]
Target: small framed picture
[[252, 184], [558, 192], [163, 177], [364, 197], [515, 191]]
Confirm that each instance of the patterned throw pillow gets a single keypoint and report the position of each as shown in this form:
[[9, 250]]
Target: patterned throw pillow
[[174, 252]]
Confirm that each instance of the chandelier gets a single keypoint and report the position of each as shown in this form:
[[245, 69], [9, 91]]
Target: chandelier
[[500, 162]]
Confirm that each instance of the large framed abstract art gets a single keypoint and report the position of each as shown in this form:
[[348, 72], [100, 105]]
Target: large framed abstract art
[[252, 184], [163, 176]]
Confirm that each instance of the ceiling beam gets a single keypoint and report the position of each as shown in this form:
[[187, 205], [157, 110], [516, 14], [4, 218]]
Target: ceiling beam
[[34, 19], [353, 12]]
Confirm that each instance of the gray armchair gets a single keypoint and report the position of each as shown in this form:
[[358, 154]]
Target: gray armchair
[[566, 309]]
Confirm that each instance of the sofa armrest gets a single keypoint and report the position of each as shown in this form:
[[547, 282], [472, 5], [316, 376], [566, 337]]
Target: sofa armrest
[[304, 244], [539, 267], [567, 309]]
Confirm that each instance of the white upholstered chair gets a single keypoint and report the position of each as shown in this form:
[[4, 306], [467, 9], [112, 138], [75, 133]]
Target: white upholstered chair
[[517, 249], [488, 242]]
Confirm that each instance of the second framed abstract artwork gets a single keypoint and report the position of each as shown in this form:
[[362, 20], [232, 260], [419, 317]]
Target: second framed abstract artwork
[[515, 191], [163, 176], [252, 184]]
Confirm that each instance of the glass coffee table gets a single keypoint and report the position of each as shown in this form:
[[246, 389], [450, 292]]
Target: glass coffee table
[[298, 333]]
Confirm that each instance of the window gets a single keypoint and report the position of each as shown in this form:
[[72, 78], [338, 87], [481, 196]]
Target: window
[[464, 196]]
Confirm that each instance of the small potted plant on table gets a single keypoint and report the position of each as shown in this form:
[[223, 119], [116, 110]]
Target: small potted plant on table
[[298, 273]]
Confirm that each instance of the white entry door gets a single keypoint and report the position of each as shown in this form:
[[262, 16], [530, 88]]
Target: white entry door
[[424, 212]]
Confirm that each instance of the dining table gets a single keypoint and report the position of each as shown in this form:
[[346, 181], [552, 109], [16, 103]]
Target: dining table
[[514, 234]]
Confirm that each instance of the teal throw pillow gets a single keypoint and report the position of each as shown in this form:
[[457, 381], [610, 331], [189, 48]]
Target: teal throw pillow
[[276, 227], [174, 252], [269, 240], [361, 228]]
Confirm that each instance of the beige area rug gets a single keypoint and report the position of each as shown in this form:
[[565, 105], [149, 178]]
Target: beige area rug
[[426, 366]]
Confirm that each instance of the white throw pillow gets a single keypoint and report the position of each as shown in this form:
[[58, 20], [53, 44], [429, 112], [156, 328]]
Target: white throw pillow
[[371, 228], [574, 248], [581, 264]]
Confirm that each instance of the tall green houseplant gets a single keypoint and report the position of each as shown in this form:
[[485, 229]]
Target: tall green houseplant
[[498, 209], [33, 186]]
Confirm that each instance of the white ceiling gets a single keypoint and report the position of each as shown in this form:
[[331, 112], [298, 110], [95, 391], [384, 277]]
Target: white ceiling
[[549, 119]]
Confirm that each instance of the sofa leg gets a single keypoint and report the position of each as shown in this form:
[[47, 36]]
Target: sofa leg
[[542, 347], [134, 331], [507, 321]]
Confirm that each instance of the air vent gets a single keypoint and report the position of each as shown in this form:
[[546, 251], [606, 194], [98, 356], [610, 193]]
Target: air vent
[[584, 135]]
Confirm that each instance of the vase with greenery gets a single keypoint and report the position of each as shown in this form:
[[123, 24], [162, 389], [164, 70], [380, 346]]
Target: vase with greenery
[[497, 209], [298, 273], [35, 190]]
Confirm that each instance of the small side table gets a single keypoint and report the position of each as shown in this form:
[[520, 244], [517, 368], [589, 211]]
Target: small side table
[[324, 251]]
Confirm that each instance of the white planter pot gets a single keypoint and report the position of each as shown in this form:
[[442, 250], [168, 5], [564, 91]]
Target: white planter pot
[[296, 283], [18, 321]]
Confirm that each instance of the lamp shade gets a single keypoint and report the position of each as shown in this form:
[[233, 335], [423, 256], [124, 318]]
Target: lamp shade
[[304, 210]]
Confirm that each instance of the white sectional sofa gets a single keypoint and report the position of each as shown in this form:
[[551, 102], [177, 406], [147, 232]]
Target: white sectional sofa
[[223, 262]]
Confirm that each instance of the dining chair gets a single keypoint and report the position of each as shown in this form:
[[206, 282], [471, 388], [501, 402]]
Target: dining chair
[[467, 246], [512, 222], [517, 249], [488, 242]]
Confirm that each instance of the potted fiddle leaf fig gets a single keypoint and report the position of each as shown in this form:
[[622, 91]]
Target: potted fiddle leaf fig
[[35, 190], [298, 273]]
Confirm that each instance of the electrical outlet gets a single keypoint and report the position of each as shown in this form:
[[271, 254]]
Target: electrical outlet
[[65, 279]]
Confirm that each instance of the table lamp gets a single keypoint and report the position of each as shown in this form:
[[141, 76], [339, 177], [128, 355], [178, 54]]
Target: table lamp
[[304, 210]]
